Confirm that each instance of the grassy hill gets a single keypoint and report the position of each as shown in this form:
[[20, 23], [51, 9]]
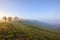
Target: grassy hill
[[20, 31]]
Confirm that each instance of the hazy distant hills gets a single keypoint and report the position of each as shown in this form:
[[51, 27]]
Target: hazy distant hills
[[41, 24]]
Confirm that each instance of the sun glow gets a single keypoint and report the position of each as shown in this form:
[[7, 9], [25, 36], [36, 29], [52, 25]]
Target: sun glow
[[5, 14]]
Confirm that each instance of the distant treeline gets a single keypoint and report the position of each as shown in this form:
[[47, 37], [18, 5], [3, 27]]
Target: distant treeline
[[9, 19]]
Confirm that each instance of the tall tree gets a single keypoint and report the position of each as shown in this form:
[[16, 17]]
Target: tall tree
[[9, 19], [16, 18], [4, 18]]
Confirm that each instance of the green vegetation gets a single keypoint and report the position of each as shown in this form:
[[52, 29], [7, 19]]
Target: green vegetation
[[4, 18], [20, 31], [9, 19]]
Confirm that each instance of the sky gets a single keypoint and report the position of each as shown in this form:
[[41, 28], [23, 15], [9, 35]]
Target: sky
[[31, 9]]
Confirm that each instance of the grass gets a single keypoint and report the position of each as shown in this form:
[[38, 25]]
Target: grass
[[20, 31]]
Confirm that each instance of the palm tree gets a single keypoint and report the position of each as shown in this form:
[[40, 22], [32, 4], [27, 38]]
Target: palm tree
[[9, 19], [4, 18]]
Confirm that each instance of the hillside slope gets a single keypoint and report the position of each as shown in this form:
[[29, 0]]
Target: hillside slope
[[20, 31]]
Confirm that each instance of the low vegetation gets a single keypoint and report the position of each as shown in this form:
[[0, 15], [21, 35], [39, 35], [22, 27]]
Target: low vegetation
[[19, 31]]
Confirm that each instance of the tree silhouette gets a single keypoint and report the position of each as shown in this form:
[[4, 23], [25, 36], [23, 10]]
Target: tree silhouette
[[9, 19], [16, 18], [4, 18]]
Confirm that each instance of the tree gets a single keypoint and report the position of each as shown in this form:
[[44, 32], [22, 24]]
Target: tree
[[9, 19], [4, 18], [16, 18]]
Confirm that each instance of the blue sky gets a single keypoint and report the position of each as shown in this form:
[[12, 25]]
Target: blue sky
[[31, 9]]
